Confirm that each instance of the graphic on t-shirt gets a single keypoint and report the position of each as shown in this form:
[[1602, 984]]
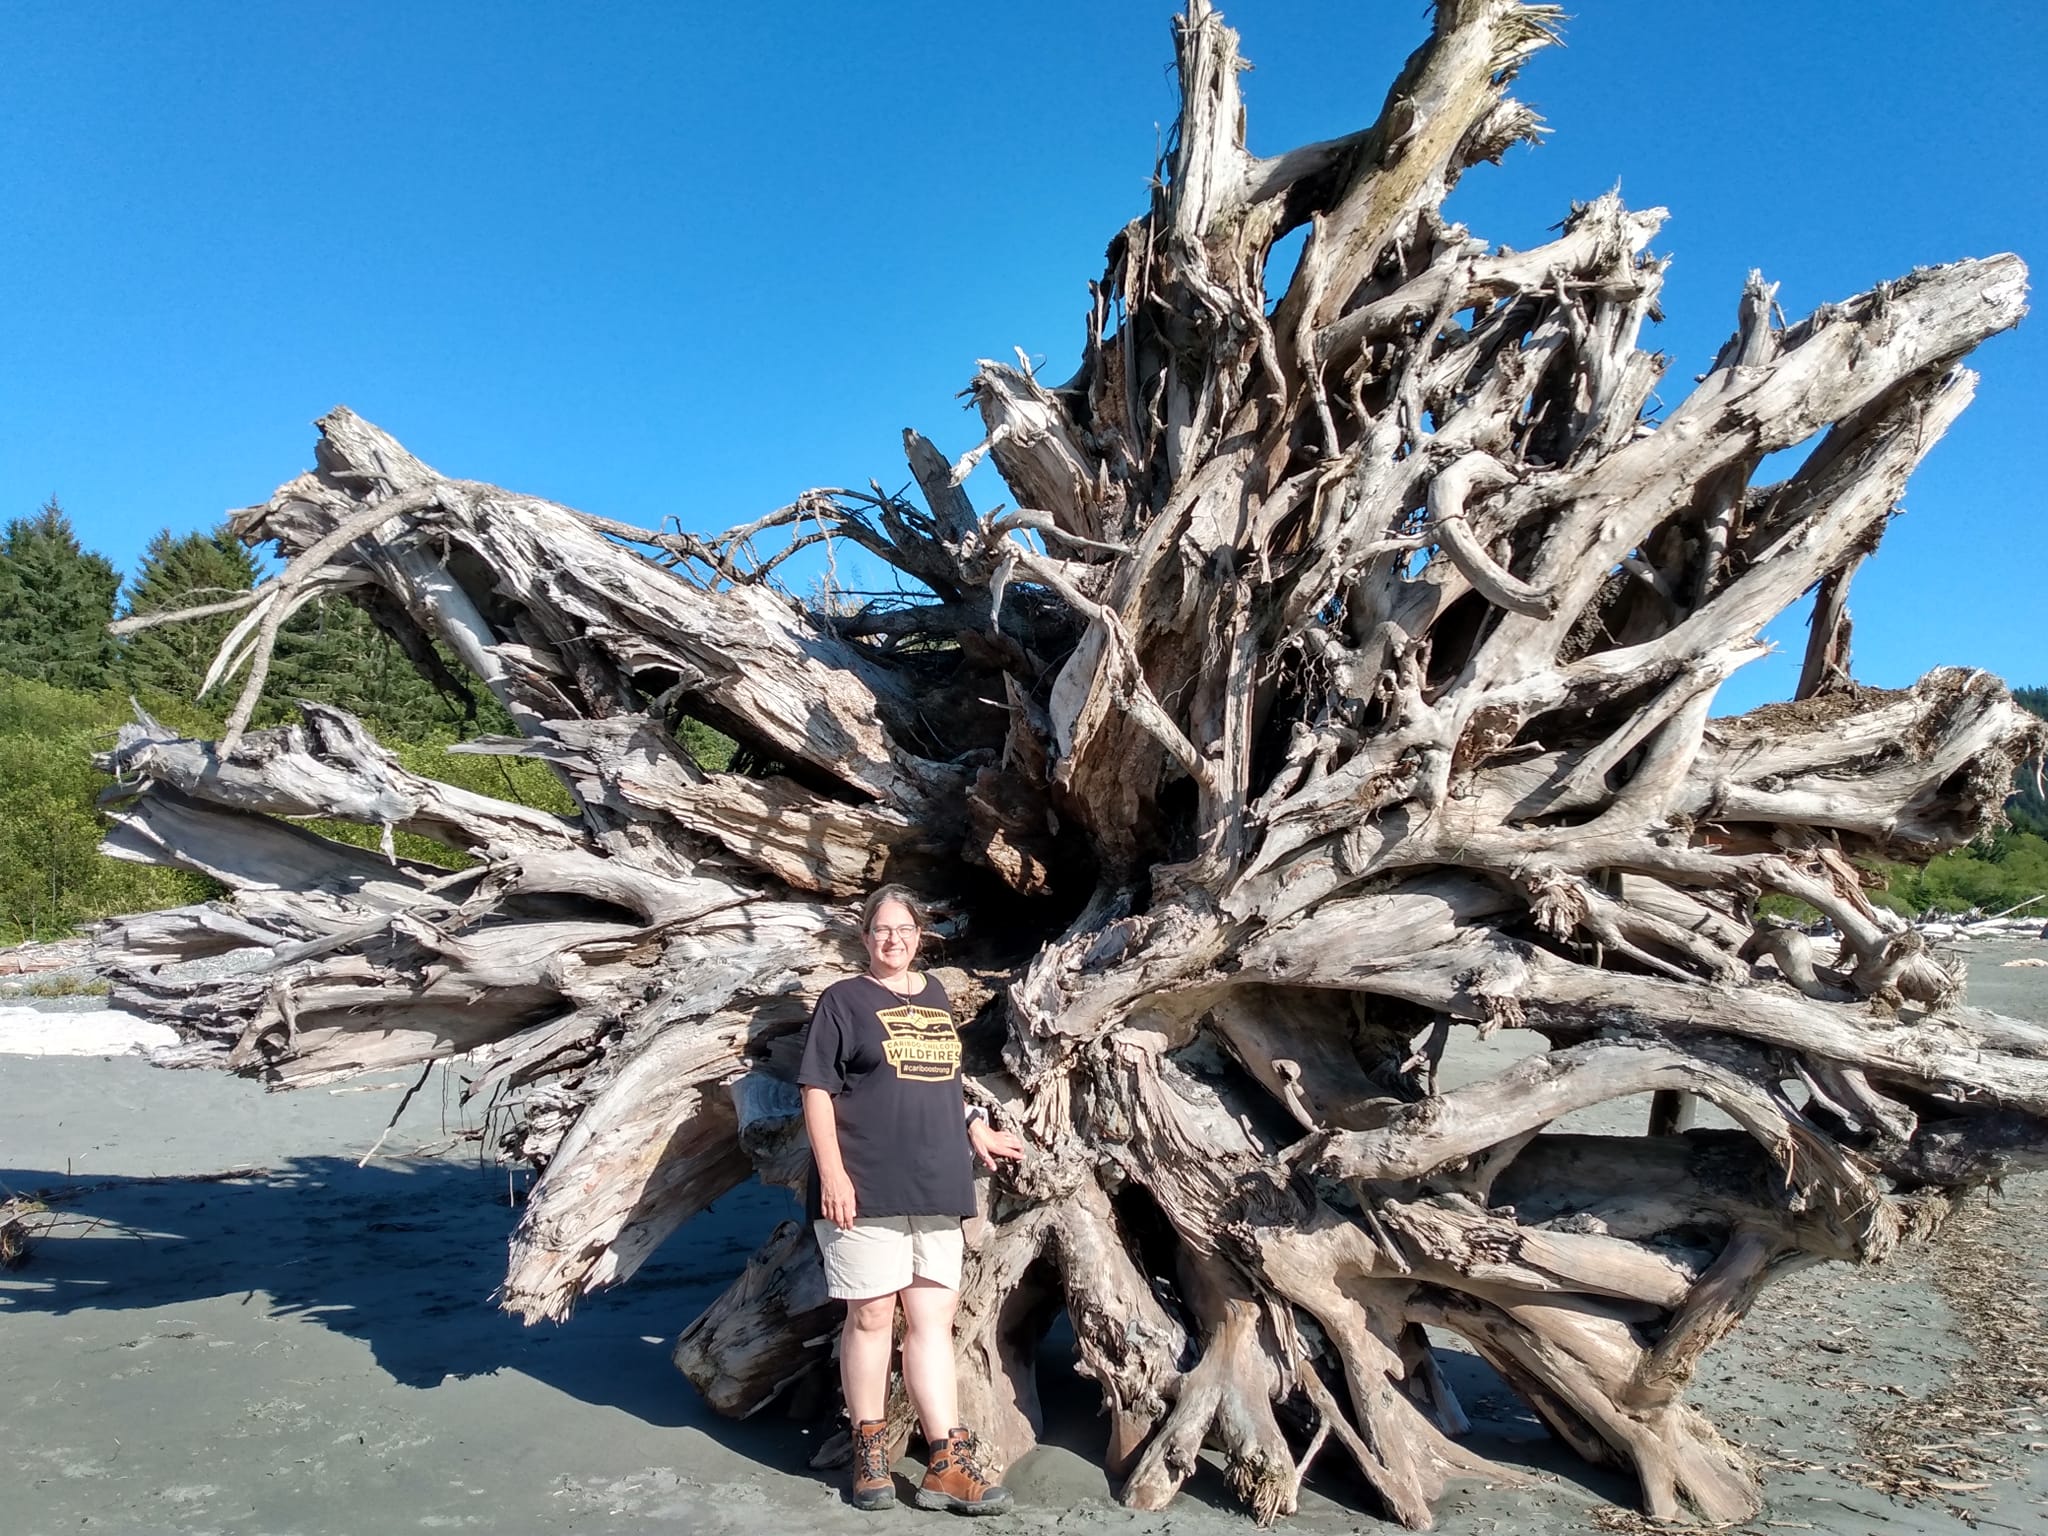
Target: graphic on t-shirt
[[921, 1043]]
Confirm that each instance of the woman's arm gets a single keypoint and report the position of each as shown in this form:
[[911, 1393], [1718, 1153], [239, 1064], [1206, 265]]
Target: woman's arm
[[835, 1189]]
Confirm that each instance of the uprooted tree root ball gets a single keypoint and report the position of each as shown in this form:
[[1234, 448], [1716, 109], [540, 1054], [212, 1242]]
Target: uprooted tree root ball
[[1339, 682]]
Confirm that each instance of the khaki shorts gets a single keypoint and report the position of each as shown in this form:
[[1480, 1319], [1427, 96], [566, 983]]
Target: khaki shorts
[[878, 1255]]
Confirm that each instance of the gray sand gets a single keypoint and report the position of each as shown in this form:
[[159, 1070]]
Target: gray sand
[[312, 1349]]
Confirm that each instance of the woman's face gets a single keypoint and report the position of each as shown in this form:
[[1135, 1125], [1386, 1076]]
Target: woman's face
[[891, 938]]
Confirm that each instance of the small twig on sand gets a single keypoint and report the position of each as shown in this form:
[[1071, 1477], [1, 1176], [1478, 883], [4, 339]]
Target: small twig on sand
[[397, 1114]]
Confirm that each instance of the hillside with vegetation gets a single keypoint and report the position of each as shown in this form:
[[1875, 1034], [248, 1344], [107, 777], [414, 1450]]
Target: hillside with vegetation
[[1996, 873]]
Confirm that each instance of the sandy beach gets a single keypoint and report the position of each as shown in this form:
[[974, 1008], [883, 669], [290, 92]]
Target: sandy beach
[[240, 1328]]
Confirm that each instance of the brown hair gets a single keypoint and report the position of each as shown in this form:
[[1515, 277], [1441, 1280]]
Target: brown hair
[[896, 893]]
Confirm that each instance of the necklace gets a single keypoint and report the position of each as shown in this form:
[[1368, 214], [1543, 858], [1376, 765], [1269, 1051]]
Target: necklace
[[897, 991]]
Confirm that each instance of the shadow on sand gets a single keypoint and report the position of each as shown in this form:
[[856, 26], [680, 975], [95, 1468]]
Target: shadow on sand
[[404, 1256], [407, 1257]]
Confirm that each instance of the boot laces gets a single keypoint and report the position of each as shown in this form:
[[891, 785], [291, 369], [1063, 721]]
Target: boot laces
[[966, 1454], [871, 1455]]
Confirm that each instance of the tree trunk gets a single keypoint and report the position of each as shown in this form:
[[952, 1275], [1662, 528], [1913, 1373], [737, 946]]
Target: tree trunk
[[1338, 693]]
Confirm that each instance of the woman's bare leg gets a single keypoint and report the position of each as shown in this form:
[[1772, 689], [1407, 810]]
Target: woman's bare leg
[[928, 1356], [864, 1344]]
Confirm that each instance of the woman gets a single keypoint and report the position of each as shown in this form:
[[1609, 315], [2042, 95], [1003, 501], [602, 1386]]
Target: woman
[[893, 1145]]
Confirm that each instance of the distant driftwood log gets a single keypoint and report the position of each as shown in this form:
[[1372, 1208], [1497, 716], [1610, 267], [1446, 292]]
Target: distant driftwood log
[[1336, 690]]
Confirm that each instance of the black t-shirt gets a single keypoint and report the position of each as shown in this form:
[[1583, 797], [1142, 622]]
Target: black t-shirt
[[892, 1066]]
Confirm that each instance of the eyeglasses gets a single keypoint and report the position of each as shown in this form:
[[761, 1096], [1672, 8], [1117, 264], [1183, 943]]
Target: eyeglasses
[[908, 931]]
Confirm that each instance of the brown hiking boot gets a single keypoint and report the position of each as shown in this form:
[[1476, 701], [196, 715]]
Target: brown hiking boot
[[954, 1479], [874, 1485]]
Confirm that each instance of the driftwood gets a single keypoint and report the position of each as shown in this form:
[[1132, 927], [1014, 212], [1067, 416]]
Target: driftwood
[[33, 959], [16, 1241], [1965, 929], [1337, 692]]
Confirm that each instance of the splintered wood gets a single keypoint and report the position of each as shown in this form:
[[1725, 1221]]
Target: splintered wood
[[1338, 693]]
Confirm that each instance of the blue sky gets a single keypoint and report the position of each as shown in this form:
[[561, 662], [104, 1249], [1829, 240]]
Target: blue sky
[[680, 260]]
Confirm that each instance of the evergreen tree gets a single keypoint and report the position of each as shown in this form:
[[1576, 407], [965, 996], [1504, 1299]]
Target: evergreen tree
[[334, 652], [183, 572], [56, 600]]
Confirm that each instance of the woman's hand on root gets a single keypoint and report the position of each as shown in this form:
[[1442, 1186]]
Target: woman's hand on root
[[991, 1144]]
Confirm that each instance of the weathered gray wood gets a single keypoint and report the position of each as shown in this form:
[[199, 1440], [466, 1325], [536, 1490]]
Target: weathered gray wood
[[1339, 688], [771, 1326]]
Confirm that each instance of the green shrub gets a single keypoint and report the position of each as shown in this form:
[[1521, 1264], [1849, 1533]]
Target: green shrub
[[1993, 874], [52, 875], [713, 749]]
